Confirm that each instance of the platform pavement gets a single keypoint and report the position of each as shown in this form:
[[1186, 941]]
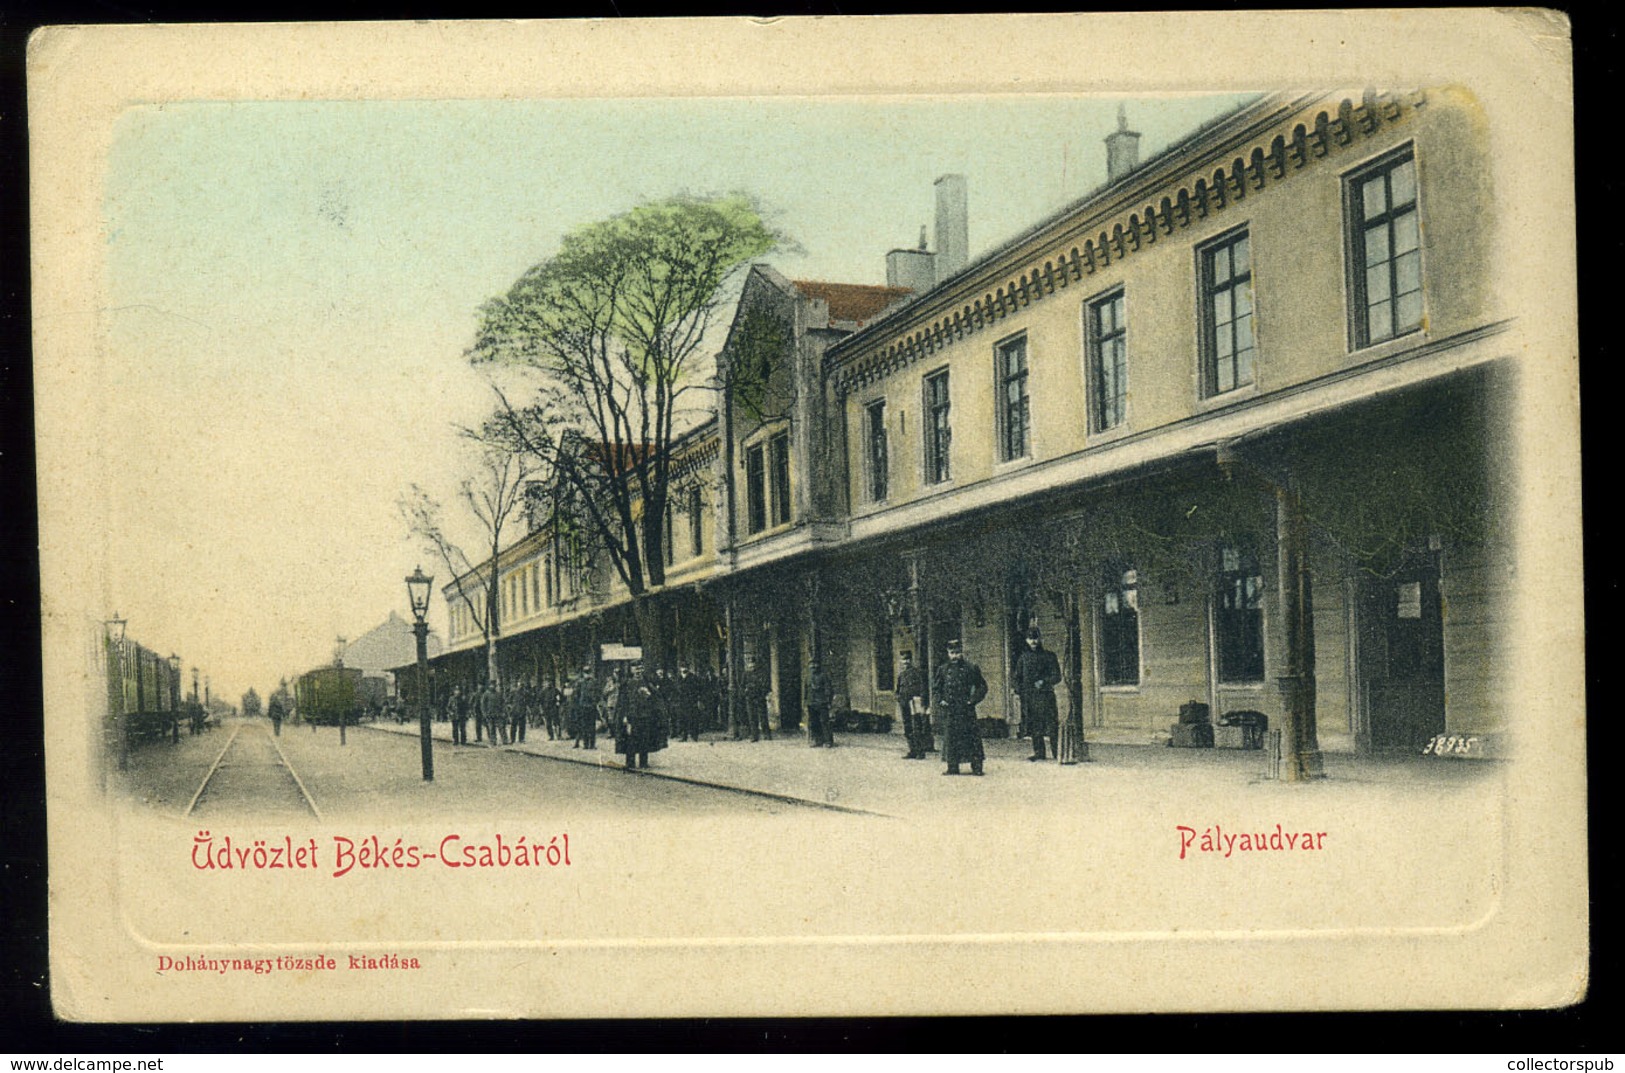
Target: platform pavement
[[867, 772]]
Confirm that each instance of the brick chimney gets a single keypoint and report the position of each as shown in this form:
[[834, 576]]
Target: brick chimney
[[1122, 148]]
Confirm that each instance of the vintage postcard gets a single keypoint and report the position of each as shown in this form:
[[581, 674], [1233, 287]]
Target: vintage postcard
[[993, 514]]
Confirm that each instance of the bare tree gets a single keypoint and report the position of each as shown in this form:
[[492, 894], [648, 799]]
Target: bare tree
[[610, 328], [493, 495]]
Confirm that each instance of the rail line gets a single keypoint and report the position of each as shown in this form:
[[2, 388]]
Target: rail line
[[257, 772]]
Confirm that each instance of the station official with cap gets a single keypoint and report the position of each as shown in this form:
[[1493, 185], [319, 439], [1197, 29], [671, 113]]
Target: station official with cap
[[1037, 672], [957, 686]]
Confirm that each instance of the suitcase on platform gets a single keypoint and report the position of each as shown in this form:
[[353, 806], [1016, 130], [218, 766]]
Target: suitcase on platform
[[1191, 736]]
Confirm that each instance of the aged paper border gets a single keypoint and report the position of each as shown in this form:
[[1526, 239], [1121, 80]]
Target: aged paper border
[[1531, 952]]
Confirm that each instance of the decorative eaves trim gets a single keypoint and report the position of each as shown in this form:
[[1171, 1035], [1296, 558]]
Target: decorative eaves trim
[[1197, 198]]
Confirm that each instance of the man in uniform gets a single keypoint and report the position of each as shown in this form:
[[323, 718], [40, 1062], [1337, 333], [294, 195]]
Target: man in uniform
[[1037, 671], [910, 691], [548, 701], [518, 711], [957, 686], [820, 696], [688, 690], [490, 714], [457, 712], [583, 703]]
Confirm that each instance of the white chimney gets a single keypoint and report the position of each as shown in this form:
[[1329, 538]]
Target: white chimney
[[953, 226], [1122, 148], [914, 269]]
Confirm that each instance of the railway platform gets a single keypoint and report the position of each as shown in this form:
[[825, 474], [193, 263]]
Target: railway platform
[[867, 772]]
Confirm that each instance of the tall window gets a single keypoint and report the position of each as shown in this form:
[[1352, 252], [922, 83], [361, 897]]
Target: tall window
[[570, 566], [1239, 616], [1386, 258], [696, 519], [1013, 408], [885, 668], [669, 539], [547, 577], [779, 448], [756, 488], [938, 433], [1120, 628], [1108, 361], [1227, 314], [875, 452]]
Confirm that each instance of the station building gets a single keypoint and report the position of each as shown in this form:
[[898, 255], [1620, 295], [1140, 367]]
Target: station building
[[1233, 429]]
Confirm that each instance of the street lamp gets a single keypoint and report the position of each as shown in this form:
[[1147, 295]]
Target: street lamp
[[174, 699], [338, 661], [115, 637], [417, 590]]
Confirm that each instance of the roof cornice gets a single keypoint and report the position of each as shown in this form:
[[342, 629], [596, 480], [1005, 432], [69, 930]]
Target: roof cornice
[[1207, 174]]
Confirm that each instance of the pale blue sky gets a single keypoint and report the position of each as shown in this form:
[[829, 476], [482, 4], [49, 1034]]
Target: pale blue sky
[[292, 284]]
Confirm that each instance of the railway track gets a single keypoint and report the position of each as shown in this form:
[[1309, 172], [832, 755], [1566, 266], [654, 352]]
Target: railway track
[[252, 773]]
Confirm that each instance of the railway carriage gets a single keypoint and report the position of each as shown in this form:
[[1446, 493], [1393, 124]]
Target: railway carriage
[[144, 692], [327, 694]]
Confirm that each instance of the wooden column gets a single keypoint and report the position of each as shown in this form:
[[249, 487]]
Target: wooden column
[[1073, 747], [1300, 746]]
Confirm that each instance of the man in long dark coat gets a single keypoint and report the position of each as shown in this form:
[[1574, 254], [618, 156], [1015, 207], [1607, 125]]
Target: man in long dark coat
[[640, 725], [690, 692], [519, 700], [457, 712], [664, 694], [583, 708], [754, 701], [1037, 672], [957, 686], [277, 713], [910, 692], [715, 701], [490, 715], [547, 702], [820, 697]]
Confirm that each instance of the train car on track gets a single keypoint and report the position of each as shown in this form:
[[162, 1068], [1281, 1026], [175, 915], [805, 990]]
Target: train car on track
[[144, 694], [326, 694]]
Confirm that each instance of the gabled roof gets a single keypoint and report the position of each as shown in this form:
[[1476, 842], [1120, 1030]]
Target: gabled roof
[[856, 302], [389, 644]]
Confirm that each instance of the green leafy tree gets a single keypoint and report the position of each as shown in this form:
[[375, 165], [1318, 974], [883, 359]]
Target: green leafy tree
[[610, 331]]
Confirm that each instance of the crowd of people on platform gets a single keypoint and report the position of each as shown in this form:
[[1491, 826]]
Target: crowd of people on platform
[[644, 710]]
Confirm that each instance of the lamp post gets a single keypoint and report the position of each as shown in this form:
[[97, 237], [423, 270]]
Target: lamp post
[[338, 661], [174, 699], [417, 590], [115, 637]]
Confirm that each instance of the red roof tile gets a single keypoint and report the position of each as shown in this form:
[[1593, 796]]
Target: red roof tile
[[851, 301]]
